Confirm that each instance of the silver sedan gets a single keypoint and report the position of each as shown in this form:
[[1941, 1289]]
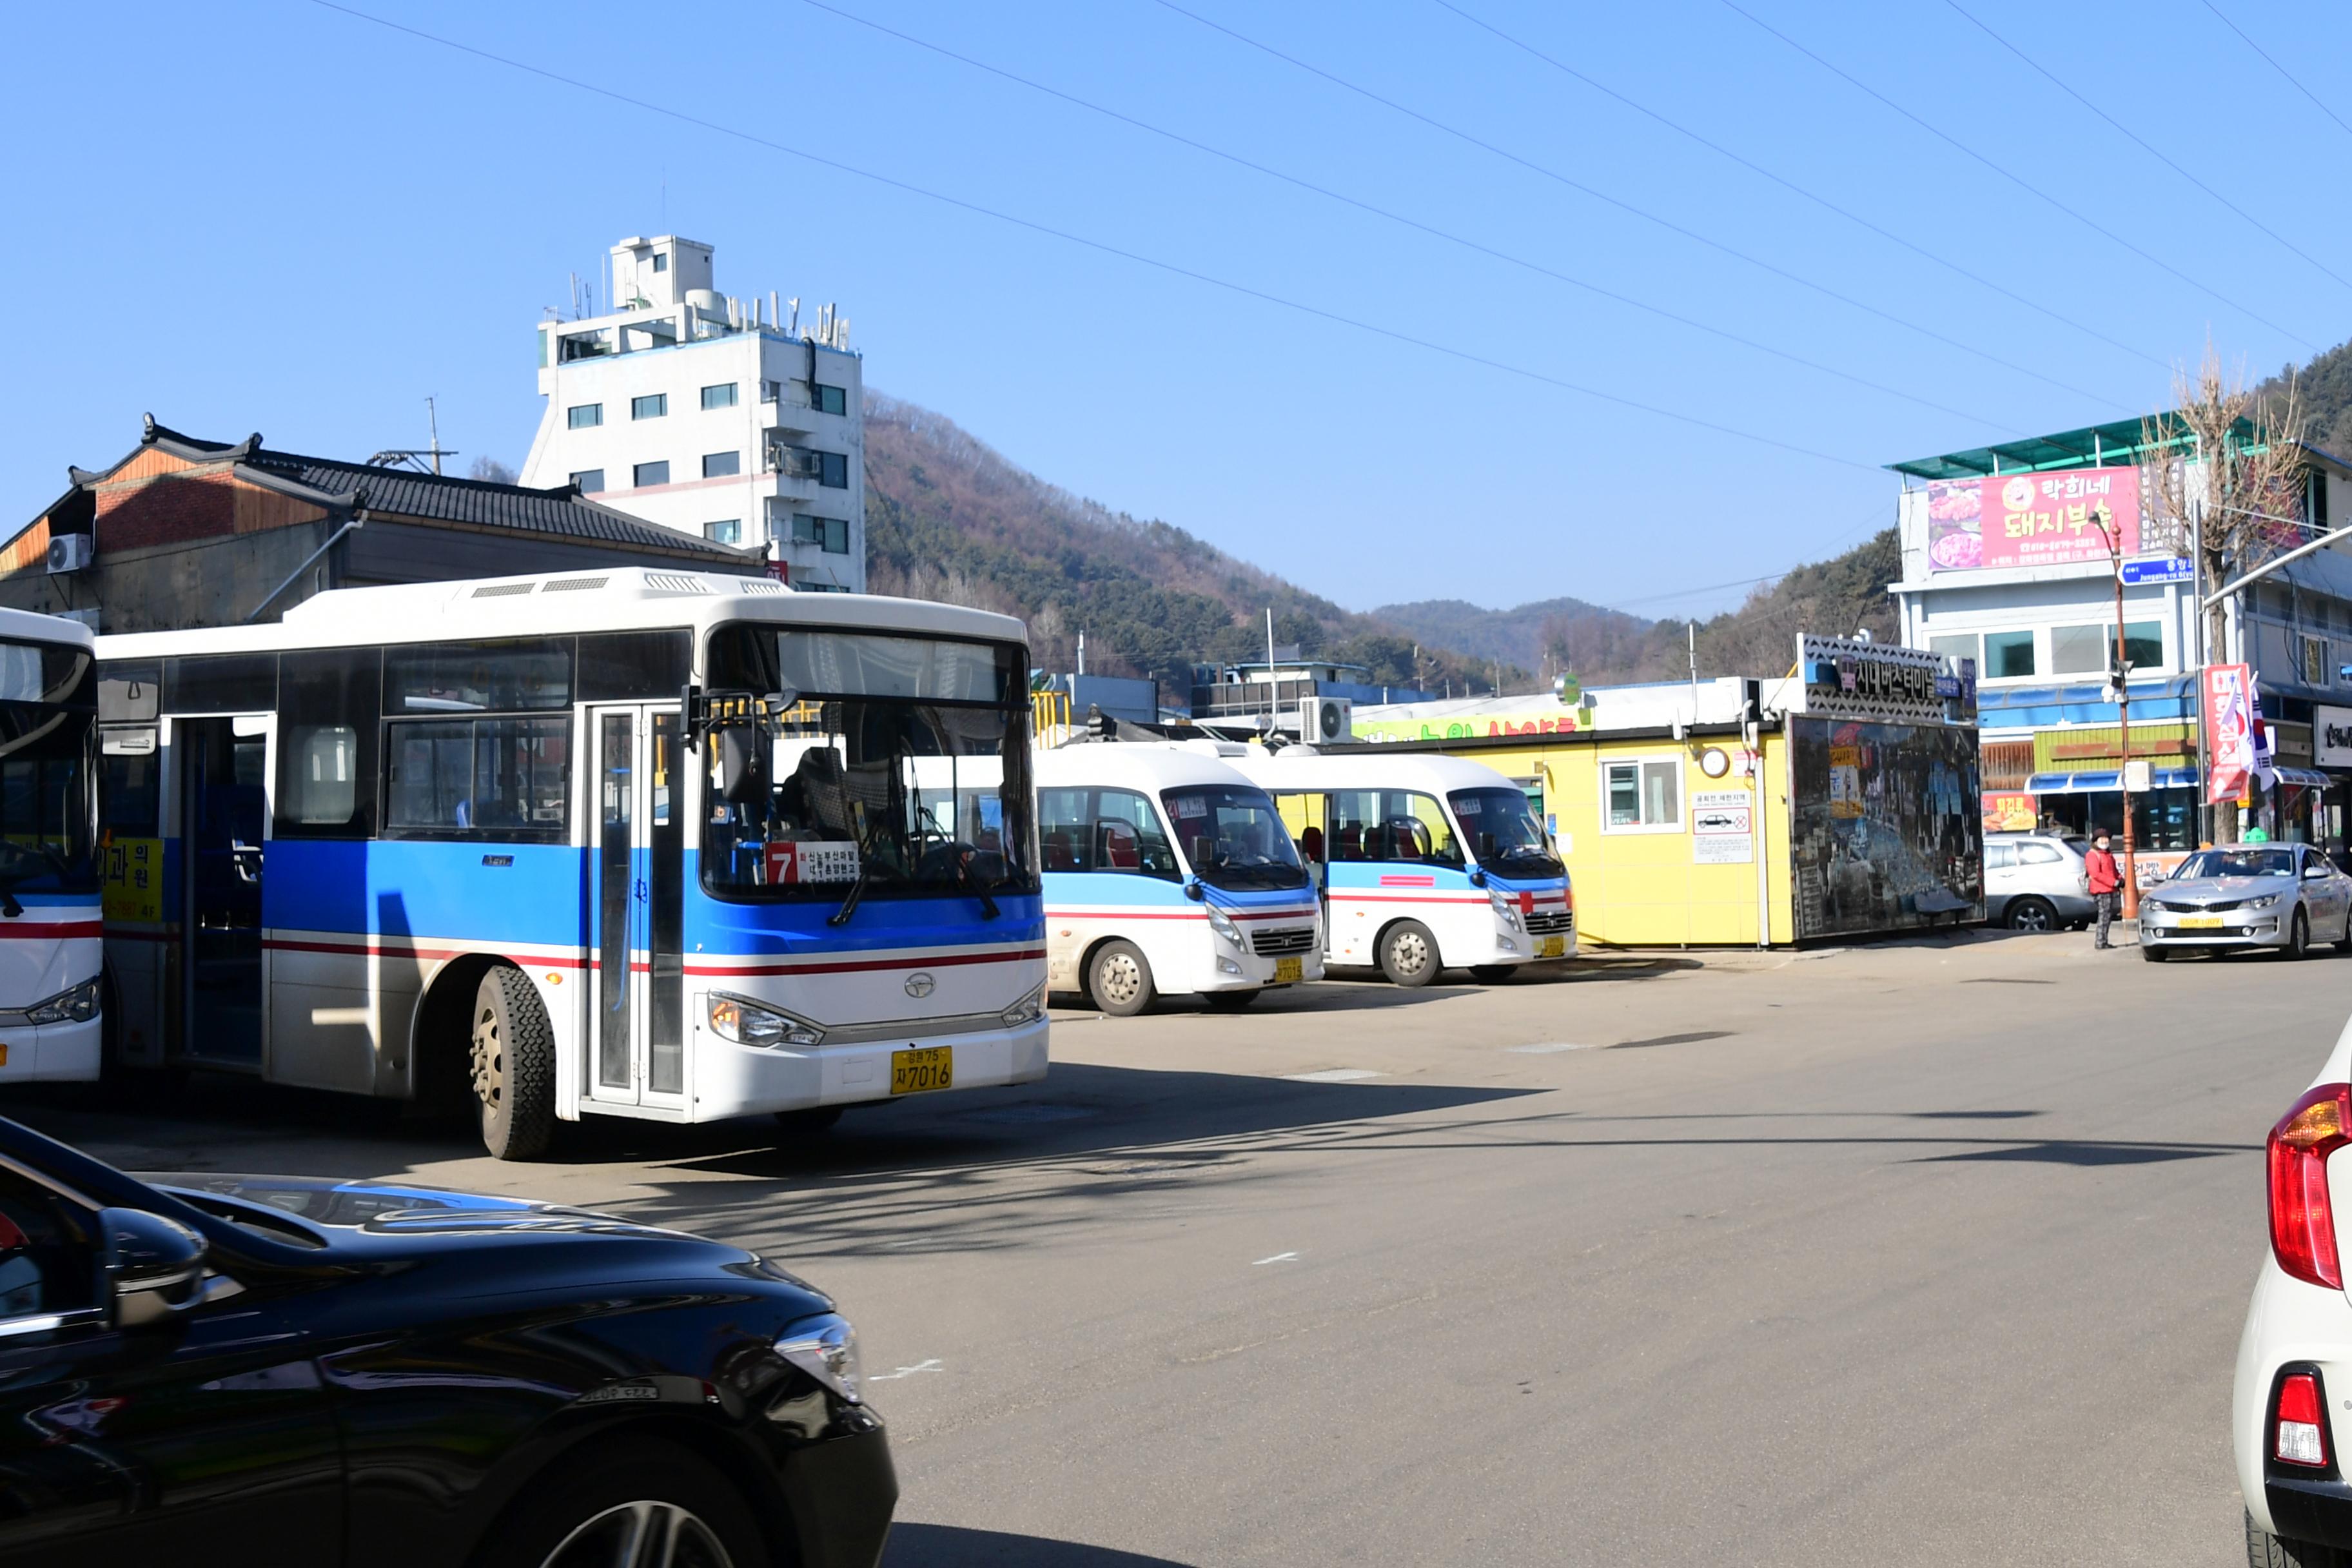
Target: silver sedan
[[2283, 896]]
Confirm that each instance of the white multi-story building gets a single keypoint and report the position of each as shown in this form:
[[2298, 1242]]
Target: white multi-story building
[[710, 415]]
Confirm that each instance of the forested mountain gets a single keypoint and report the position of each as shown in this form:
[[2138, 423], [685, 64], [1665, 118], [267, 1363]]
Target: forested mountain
[[947, 518], [1514, 636]]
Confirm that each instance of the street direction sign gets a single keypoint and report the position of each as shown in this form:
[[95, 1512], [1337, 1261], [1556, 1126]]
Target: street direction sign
[[2163, 569]]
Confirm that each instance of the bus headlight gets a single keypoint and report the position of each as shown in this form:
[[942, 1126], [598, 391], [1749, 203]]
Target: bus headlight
[[744, 1022], [1028, 1010], [1223, 924], [826, 1349], [79, 1005], [1507, 907]]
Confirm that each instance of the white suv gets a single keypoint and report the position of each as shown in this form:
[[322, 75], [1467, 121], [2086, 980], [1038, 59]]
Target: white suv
[[2292, 1411]]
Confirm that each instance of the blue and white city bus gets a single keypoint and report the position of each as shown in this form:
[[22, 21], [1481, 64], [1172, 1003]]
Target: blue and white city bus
[[50, 983], [631, 843]]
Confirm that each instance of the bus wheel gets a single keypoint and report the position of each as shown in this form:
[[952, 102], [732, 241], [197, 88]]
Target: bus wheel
[[1119, 979], [1408, 954], [512, 1059], [1493, 973]]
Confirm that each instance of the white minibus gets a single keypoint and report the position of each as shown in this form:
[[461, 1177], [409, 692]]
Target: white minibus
[[1167, 871], [1423, 863]]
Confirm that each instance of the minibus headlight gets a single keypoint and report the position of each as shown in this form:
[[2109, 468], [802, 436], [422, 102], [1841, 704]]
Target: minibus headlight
[[1028, 1010], [745, 1022], [1507, 907], [79, 1005], [826, 1349], [1223, 924]]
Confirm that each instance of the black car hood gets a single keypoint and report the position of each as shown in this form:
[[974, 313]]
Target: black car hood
[[501, 1245]]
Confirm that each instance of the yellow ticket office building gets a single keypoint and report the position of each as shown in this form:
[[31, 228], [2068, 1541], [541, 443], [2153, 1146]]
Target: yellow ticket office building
[[1859, 814]]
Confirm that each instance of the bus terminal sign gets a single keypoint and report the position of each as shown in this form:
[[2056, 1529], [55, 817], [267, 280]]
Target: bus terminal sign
[[1849, 678]]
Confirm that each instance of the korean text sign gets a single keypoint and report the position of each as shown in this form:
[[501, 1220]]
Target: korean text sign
[[2228, 731], [2031, 519]]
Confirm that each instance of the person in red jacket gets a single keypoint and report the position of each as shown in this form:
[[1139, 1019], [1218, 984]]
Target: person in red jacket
[[2107, 884]]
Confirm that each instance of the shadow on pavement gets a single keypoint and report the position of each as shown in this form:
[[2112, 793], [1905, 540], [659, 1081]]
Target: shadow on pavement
[[947, 1546]]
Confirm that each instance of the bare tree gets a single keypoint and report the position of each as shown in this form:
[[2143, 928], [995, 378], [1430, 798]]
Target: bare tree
[[490, 471], [2216, 482]]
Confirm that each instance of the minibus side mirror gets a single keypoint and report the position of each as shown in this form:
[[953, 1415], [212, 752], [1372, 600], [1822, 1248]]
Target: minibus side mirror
[[1477, 876], [1194, 890]]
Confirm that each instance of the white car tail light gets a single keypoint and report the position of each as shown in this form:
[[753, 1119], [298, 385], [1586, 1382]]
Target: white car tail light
[[2303, 1221], [2301, 1437]]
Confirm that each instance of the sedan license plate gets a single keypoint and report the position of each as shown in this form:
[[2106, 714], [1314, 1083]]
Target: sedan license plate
[[921, 1069], [1553, 947], [2201, 923], [1289, 970]]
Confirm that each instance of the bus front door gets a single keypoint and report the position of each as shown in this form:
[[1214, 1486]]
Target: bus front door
[[224, 818], [636, 816]]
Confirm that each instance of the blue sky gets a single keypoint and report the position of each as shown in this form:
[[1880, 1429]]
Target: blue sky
[[276, 216]]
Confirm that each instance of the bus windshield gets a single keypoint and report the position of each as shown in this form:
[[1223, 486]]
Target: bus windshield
[[901, 768], [1235, 837], [1504, 833], [48, 714]]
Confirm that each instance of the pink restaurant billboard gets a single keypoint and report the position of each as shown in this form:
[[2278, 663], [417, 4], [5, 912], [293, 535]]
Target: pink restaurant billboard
[[2030, 519]]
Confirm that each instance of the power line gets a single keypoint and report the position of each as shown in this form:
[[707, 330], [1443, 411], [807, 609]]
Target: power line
[[1788, 184], [2145, 146], [1104, 247], [1646, 216], [1400, 218], [2019, 181], [2274, 64]]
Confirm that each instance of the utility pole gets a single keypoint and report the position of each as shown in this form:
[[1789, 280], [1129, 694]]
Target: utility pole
[[2100, 518]]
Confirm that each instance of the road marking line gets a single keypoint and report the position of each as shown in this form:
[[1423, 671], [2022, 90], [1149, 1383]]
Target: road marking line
[[932, 1365], [1278, 1258], [1334, 1075]]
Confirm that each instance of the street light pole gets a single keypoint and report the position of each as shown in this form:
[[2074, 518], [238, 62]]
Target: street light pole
[[2100, 517]]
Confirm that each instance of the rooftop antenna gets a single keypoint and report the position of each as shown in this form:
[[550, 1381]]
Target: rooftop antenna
[[425, 459], [433, 426]]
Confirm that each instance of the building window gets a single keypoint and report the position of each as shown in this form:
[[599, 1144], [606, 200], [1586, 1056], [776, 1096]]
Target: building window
[[731, 532], [721, 465], [652, 408], [833, 471], [771, 391], [590, 481], [644, 475], [828, 399], [830, 534], [661, 262], [2089, 650], [1641, 796], [2007, 656], [585, 415], [719, 396], [1962, 645]]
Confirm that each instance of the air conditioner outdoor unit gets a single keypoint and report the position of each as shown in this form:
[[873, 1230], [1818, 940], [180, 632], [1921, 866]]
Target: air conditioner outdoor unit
[[1326, 720], [71, 552]]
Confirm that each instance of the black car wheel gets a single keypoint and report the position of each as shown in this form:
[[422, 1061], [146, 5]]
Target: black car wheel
[[511, 1058], [1119, 980], [2029, 914], [1408, 954], [635, 1507], [2298, 937], [1230, 1001]]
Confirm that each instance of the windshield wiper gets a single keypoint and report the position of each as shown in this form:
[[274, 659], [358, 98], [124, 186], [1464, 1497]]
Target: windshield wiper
[[988, 911], [856, 888]]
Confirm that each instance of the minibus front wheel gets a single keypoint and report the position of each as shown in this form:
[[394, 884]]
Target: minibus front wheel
[[1119, 979], [1408, 954]]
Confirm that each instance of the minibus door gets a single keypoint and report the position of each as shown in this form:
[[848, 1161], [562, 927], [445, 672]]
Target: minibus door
[[635, 813], [1312, 816], [223, 828]]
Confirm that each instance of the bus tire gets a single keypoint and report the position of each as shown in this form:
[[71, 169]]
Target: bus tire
[[1493, 973], [1118, 979], [512, 1061], [1230, 1001], [1409, 954]]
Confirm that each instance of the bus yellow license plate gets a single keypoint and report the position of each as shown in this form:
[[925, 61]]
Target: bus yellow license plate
[[2201, 923], [921, 1069], [1289, 970], [1553, 947]]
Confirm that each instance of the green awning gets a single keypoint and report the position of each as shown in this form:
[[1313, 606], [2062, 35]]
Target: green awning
[[2113, 445]]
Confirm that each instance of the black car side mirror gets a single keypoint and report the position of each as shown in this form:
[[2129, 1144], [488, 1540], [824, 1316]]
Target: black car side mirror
[[154, 1267]]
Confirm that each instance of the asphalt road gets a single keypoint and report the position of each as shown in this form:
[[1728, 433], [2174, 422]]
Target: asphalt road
[[1922, 1253]]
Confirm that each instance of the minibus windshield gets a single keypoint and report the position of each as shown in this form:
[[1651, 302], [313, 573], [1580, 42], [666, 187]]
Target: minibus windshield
[[1233, 838], [1503, 834]]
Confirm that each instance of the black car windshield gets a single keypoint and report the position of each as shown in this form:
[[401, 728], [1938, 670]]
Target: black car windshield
[[902, 761], [1504, 833], [48, 716], [1233, 838], [2237, 863]]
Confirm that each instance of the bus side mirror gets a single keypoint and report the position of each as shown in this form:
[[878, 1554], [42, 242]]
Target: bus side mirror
[[743, 763], [1477, 876]]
